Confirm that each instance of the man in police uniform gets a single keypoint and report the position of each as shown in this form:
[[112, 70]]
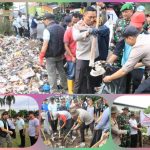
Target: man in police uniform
[[123, 123], [139, 54]]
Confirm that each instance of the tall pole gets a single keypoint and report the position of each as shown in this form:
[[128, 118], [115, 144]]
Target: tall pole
[[27, 16]]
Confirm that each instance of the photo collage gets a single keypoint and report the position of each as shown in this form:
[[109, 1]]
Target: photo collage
[[74, 75]]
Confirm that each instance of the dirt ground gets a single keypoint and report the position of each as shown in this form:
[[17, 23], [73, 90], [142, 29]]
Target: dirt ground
[[57, 142]]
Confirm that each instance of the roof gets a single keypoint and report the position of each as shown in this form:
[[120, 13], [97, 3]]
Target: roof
[[127, 105]]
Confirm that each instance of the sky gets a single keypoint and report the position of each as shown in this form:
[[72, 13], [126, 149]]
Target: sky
[[135, 100], [23, 102]]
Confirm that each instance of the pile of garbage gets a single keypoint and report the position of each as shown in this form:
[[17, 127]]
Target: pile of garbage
[[20, 71]]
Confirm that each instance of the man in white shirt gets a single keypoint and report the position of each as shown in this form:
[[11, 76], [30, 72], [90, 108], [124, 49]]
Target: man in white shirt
[[12, 127], [5, 138], [53, 50], [33, 129], [20, 24], [52, 108], [21, 127], [134, 130]]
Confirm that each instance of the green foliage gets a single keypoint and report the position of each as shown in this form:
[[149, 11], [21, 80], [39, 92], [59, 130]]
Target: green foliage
[[24, 113], [2, 102], [5, 26], [13, 113], [6, 5], [144, 130], [94, 98], [147, 110]]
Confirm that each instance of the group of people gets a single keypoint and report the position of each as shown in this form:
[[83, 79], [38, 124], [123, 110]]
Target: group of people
[[76, 116], [86, 40], [125, 128], [8, 132]]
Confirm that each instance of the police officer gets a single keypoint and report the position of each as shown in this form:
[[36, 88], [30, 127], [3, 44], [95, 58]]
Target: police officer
[[123, 123], [139, 54]]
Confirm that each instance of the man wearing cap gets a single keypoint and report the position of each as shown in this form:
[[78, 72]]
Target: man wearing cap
[[123, 123], [127, 11], [139, 53], [53, 50], [115, 131], [137, 20], [5, 133], [84, 120], [134, 130]]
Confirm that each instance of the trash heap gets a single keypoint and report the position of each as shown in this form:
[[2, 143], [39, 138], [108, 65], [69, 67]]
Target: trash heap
[[20, 71]]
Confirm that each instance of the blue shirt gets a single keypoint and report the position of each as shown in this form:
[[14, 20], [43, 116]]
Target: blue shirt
[[45, 107], [104, 123], [126, 53]]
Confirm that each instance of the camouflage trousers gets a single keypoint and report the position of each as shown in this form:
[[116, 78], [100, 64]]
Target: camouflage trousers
[[125, 141], [6, 142]]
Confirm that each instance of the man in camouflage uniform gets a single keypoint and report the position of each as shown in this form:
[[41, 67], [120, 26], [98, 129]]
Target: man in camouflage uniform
[[127, 11], [123, 123]]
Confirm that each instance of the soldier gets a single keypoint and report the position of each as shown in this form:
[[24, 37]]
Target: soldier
[[123, 123], [127, 11]]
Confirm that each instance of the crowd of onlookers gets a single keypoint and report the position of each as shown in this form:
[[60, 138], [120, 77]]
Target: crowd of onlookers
[[126, 128], [76, 115], [83, 39], [18, 127]]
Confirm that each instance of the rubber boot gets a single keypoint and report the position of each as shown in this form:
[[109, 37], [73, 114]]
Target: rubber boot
[[70, 86]]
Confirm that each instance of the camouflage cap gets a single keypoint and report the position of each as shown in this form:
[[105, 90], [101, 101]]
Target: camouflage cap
[[126, 108], [127, 6]]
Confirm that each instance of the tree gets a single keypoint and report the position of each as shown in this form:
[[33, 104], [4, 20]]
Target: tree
[[147, 110], [9, 100], [6, 5], [13, 113], [24, 113], [2, 101]]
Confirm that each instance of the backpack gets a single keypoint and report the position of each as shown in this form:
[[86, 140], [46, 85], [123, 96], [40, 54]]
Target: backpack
[[33, 24]]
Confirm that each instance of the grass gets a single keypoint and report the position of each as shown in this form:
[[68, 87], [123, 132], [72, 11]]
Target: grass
[[17, 141]]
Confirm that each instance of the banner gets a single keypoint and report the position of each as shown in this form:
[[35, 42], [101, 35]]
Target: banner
[[144, 119]]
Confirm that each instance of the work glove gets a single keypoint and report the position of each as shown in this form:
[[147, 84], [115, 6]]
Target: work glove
[[41, 57]]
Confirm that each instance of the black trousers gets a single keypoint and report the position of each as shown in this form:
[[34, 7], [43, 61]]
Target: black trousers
[[67, 127], [96, 137], [22, 137], [82, 129], [20, 30], [14, 133], [54, 124], [134, 139], [144, 87], [32, 140], [135, 76], [82, 83]]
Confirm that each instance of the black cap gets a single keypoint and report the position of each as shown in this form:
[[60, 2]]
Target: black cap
[[130, 31], [67, 19], [48, 16]]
